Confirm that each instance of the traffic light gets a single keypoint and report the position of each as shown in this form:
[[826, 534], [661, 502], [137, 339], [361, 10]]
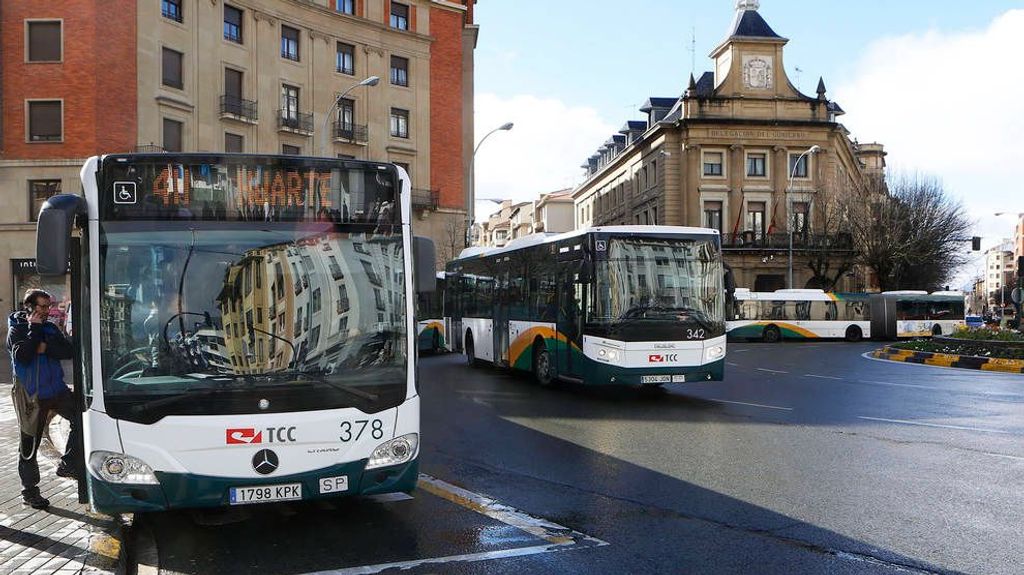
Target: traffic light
[[975, 244]]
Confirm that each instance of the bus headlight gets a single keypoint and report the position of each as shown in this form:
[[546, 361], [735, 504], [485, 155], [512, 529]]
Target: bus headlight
[[608, 354], [121, 468], [394, 452], [714, 352]]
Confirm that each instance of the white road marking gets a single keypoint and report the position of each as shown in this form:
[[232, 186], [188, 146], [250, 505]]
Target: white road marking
[[751, 404], [1002, 456], [939, 425], [770, 370], [558, 538], [732, 364], [822, 376], [946, 389], [738, 350]]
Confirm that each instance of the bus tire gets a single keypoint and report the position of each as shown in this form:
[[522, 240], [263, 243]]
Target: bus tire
[[771, 334], [854, 334], [936, 330], [542, 371], [471, 351]]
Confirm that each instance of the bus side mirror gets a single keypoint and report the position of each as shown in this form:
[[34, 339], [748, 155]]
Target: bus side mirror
[[424, 269], [53, 233]]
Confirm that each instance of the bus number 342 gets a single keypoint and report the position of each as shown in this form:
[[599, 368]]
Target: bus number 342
[[695, 334], [353, 430]]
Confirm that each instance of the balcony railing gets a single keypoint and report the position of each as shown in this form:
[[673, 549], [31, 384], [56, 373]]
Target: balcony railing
[[295, 122], [425, 199], [147, 149], [750, 240], [238, 108], [350, 132]]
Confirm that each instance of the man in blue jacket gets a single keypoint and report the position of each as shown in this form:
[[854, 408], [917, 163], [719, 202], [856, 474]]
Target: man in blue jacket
[[37, 348]]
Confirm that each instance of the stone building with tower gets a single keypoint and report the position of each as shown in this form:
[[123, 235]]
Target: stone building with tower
[[742, 151]]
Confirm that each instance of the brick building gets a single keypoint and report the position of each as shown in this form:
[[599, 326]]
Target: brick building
[[79, 78], [731, 154]]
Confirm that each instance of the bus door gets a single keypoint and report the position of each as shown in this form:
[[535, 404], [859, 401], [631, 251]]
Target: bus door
[[453, 298], [78, 324], [571, 300], [501, 313]]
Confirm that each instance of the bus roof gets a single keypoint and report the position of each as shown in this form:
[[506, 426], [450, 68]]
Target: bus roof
[[543, 238]]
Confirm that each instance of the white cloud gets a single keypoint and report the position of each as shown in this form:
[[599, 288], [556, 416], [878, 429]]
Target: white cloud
[[543, 151], [949, 104]]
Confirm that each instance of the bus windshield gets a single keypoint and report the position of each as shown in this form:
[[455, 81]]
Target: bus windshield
[[299, 316], [644, 280]]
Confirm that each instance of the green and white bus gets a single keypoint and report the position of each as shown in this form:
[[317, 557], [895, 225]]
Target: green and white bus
[[245, 325], [634, 305], [801, 314], [430, 318]]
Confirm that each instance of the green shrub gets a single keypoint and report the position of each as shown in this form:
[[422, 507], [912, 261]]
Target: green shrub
[[987, 334]]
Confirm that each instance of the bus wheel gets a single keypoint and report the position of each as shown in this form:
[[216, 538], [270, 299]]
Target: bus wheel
[[771, 334], [854, 334], [936, 329], [470, 351], [542, 364]]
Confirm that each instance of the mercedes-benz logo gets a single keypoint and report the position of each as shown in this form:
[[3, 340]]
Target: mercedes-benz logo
[[264, 462]]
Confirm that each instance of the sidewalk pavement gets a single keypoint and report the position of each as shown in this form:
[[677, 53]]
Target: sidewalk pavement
[[66, 538]]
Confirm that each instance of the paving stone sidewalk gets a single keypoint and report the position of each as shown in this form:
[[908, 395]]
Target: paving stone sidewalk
[[66, 538]]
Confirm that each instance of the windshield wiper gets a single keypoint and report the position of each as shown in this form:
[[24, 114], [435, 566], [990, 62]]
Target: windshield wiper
[[187, 394], [316, 376]]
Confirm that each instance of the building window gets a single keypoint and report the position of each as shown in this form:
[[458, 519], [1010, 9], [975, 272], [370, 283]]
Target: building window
[[399, 16], [289, 43], [290, 150], [801, 218], [232, 24], [172, 63], [756, 165], [399, 123], [713, 164], [290, 103], [755, 218], [399, 71], [38, 192], [713, 215], [345, 59], [798, 165], [173, 130], [234, 143], [171, 9], [44, 41], [346, 114], [345, 6], [45, 121]]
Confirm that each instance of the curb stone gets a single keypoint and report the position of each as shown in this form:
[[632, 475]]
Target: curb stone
[[949, 360]]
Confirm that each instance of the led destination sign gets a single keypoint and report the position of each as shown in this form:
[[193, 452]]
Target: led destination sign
[[266, 188]]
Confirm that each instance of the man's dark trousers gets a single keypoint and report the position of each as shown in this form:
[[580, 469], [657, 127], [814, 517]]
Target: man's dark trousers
[[28, 469]]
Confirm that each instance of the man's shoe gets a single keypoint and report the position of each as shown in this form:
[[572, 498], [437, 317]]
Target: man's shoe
[[36, 501], [67, 471]]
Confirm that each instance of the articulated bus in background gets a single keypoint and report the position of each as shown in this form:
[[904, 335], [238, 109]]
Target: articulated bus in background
[[430, 318], [245, 326], [609, 305], [815, 314]]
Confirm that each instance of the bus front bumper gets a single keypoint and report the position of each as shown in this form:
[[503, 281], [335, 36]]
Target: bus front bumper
[[602, 373], [184, 490]]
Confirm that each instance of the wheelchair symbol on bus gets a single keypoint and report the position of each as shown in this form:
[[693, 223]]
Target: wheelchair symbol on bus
[[125, 193]]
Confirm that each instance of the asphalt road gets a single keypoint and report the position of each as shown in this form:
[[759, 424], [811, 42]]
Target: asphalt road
[[809, 458]]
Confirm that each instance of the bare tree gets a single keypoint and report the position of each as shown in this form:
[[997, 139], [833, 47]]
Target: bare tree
[[453, 239], [831, 253], [909, 232]]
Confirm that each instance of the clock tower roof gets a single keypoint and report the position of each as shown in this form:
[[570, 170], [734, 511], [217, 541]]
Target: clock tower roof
[[748, 22]]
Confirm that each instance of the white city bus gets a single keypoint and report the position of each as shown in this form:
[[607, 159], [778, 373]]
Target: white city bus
[[245, 326], [635, 305], [430, 318]]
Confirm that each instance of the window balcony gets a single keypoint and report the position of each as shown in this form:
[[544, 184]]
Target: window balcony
[[295, 122], [147, 149], [751, 240], [351, 133], [425, 199], [235, 108]]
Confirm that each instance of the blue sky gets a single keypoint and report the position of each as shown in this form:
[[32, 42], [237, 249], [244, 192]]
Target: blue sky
[[916, 75]]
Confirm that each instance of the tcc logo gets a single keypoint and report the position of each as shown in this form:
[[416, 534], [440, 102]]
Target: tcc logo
[[250, 435], [660, 358]]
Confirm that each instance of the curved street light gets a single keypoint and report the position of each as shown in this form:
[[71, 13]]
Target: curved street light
[[371, 81], [789, 204], [471, 208]]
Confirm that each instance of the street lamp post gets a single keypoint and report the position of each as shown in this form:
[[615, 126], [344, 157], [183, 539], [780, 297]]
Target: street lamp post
[[789, 218], [1019, 307], [371, 81], [471, 208]]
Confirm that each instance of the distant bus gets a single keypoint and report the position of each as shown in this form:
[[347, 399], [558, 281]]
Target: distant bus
[[916, 313], [814, 314], [430, 318], [799, 314], [609, 305]]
